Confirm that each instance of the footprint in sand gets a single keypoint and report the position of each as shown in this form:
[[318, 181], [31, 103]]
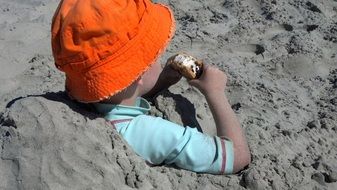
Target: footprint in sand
[[305, 67], [248, 49]]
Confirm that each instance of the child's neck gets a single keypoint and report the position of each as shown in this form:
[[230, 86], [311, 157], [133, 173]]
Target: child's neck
[[123, 99], [128, 101], [126, 97]]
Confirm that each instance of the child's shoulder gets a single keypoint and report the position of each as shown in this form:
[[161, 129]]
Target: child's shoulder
[[153, 120]]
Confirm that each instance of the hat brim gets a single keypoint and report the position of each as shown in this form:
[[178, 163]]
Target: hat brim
[[117, 72]]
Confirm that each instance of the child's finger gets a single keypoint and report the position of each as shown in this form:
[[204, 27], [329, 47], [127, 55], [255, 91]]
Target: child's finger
[[204, 71], [194, 82]]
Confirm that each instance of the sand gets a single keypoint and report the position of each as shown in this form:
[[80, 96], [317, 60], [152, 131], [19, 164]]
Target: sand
[[280, 57]]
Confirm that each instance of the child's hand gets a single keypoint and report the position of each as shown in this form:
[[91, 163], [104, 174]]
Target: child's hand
[[169, 75], [167, 78], [211, 81]]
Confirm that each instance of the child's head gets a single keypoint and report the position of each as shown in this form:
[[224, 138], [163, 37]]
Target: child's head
[[105, 46]]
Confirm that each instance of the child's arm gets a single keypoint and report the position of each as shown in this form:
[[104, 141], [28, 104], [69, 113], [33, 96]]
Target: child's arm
[[167, 78], [212, 84]]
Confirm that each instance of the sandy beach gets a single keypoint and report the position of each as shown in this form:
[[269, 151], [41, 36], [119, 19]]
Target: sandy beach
[[281, 61]]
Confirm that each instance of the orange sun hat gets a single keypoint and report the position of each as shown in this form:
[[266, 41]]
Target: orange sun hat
[[105, 45]]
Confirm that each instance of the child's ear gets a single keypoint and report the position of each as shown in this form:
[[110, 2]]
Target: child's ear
[[140, 81]]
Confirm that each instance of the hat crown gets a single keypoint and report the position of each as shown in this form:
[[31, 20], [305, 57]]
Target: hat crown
[[84, 32]]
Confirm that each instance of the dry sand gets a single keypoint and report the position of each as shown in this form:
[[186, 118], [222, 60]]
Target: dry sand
[[280, 57]]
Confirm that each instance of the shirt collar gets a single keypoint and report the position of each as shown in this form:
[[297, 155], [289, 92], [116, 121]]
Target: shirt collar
[[117, 111]]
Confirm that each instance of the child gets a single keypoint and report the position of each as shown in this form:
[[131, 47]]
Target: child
[[108, 51]]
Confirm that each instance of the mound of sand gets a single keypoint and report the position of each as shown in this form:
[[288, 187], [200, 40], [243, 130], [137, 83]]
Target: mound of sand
[[280, 57]]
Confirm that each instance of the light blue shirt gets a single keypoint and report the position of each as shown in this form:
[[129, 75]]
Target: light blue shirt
[[162, 142]]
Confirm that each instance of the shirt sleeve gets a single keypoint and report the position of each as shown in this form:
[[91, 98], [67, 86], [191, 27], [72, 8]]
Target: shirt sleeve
[[162, 142]]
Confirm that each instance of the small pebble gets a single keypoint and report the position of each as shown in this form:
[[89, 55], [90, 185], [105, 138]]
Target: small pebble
[[286, 132], [317, 165], [278, 125], [276, 185], [313, 124], [236, 107], [288, 27], [332, 177], [250, 179], [306, 163], [259, 50], [311, 27], [319, 177]]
